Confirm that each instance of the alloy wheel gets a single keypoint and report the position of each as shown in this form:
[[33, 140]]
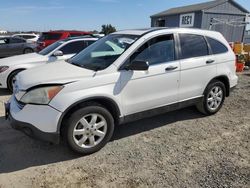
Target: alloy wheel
[[214, 98], [90, 130]]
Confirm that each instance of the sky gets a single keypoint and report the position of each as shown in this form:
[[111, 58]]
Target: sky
[[43, 15]]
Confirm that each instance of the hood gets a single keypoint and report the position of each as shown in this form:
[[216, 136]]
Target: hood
[[22, 59], [55, 73]]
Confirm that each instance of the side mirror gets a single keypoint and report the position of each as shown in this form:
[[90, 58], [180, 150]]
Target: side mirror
[[138, 66], [58, 53]]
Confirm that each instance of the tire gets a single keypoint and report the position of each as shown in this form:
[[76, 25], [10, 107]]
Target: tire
[[79, 136], [10, 79], [213, 99], [28, 50]]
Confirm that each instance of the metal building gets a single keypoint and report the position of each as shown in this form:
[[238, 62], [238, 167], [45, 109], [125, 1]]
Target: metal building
[[225, 16]]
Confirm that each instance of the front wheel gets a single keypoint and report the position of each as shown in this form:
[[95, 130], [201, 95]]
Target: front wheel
[[88, 129], [213, 99]]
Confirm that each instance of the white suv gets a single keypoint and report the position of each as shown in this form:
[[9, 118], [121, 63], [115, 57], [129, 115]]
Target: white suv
[[122, 77]]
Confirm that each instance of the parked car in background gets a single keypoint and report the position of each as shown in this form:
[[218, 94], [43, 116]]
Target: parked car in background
[[48, 38], [122, 77], [60, 50], [10, 46], [30, 37]]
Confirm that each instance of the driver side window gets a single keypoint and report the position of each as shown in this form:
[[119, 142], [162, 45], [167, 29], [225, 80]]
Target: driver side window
[[157, 50]]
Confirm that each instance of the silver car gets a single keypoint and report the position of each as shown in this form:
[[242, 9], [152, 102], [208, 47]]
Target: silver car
[[10, 46]]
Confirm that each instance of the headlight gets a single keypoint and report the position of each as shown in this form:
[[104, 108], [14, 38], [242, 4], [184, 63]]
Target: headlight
[[3, 68], [42, 95]]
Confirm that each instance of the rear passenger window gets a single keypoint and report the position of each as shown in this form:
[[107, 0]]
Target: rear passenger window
[[216, 46], [157, 50], [73, 47], [193, 46]]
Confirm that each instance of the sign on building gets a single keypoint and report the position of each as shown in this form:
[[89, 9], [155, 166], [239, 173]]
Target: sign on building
[[187, 20]]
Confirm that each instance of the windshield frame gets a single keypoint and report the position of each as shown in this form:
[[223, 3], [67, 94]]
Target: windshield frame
[[91, 49]]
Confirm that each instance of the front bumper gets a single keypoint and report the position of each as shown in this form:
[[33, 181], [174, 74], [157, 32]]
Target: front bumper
[[36, 121]]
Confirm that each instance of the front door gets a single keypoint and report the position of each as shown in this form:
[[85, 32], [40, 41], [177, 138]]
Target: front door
[[156, 87]]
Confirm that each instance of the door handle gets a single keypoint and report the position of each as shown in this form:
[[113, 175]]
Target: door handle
[[170, 68], [210, 61]]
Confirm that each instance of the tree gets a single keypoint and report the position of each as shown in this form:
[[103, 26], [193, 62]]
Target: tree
[[107, 29]]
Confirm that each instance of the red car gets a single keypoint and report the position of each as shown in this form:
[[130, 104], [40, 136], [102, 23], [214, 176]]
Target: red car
[[47, 38]]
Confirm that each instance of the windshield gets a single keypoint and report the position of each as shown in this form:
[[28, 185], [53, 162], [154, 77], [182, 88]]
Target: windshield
[[104, 52], [50, 48]]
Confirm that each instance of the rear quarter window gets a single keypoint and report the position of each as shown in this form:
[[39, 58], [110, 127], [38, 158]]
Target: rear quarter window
[[216, 46]]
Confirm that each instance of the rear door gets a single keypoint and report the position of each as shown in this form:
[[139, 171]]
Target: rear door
[[198, 65]]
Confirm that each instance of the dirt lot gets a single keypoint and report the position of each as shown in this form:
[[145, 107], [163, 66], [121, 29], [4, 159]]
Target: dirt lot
[[178, 149]]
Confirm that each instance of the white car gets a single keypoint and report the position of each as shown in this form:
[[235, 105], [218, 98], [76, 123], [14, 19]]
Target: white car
[[122, 77], [30, 37], [61, 50]]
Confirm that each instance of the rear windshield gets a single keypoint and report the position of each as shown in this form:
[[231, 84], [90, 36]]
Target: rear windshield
[[50, 36]]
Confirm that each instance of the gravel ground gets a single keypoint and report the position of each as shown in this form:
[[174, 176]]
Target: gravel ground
[[178, 149]]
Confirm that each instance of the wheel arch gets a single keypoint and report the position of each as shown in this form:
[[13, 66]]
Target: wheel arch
[[224, 79], [12, 72], [106, 102]]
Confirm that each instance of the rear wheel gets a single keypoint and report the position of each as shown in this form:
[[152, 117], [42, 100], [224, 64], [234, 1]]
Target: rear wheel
[[11, 79], [28, 50], [213, 99], [88, 129]]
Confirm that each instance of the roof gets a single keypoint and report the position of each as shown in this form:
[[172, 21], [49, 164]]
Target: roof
[[198, 7], [87, 37], [83, 37], [67, 31], [165, 29]]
